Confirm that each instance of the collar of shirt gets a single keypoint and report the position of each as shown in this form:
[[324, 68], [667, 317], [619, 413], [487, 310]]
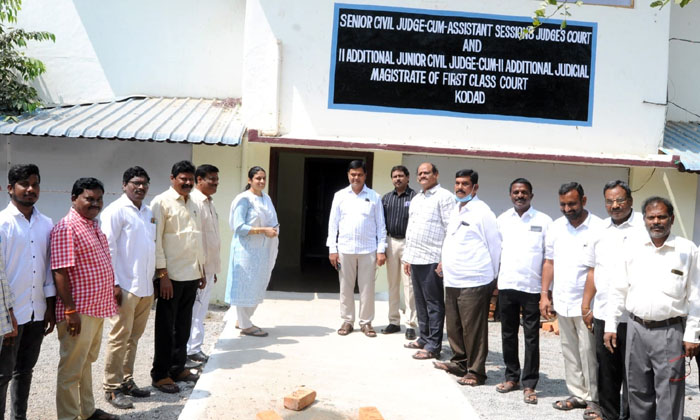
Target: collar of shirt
[[199, 196], [407, 191], [124, 201], [670, 242], [174, 195], [74, 215], [586, 223], [528, 215], [431, 191], [632, 221], [362, 193], [14, 211]]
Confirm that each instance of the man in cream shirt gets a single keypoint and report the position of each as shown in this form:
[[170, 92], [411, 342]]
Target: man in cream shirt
[[179, 262], [658, 283]]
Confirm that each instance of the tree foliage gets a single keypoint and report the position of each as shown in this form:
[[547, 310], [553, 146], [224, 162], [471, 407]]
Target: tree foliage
[[16, 69], [549, 8]]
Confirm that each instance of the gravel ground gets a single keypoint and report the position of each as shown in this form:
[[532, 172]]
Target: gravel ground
[[42, 402]]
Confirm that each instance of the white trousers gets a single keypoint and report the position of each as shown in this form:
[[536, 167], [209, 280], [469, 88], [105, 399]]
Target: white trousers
[[244, 314], [199, 312], [363, 268], [580, 362], [395, 276]]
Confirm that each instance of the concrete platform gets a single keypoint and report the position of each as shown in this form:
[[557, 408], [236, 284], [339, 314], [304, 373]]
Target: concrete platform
[[246, 375]]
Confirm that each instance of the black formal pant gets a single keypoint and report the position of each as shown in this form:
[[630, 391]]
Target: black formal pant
[[467, 317], [430, 305], [17, 362], [511, 303], [172, 330], [611, 372]]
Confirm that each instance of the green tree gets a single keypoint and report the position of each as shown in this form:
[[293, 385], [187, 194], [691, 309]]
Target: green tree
[[16, 69], [549, 8]]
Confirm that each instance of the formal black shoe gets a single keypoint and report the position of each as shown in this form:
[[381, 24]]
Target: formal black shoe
[[410, 334], [129, 388], [118, 399], [198, 357], [390, 329]]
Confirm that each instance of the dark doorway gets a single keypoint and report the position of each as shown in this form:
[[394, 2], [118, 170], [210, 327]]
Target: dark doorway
[[303, 207]]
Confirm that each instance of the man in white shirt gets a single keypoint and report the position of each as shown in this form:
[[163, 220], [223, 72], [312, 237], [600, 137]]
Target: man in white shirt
[[523, 231], [24, 245], [356, 244], [470, 256], [207, 182], [428, 216], [658, 284], [564, 270], [602, 258], [131, 233]]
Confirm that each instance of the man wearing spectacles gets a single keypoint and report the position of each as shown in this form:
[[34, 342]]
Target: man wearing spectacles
[[131, 234], [658, 283], [602, 258]]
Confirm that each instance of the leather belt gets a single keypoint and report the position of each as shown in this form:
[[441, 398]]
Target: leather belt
[[657, 324]]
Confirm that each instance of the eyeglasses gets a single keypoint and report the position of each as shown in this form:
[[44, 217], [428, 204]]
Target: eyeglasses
[[688, 368], [617, 201]]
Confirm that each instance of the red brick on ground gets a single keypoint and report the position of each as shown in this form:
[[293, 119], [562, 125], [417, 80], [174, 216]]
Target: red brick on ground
[[268, 415], [299, 399], [370, 413]]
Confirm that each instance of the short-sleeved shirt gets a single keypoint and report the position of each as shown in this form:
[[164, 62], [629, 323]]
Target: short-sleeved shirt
[[567, 246], [429, 215], [79, 246], [523, 243], [396, 212]]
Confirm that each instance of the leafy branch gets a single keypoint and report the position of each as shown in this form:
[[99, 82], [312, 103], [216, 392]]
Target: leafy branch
[[16, 69]]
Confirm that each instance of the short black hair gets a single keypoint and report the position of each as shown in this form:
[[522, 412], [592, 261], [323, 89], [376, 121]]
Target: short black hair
[[570, 186], [472, 174], [357, 164], [203, 170], [434, 169], [656, 199], [399, 168], [82, 184], [133, 172], [22, 171], [617, 183], [520, 181], [183, 166]]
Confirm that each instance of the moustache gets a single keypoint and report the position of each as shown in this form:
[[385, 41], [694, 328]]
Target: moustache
[[460, 191]]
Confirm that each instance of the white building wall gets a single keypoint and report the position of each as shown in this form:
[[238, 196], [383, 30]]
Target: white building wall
[[631, 69], [684, 57], [108, 49]]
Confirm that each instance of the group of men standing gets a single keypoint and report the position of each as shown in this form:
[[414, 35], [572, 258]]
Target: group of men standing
[[74, 275], [592, 274]]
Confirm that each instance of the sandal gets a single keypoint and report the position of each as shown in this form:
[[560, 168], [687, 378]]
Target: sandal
[[529, 396], [345, 329], [425, 355], [449, 368], [256, 332], [102, 415], [570, 403], [592, 412], [368, 330], [166, 385], [507, 386], [470, 379], [414, 345]]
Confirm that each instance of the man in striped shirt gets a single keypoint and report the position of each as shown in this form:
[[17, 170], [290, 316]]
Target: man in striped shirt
[[356, 244], [396, 205]]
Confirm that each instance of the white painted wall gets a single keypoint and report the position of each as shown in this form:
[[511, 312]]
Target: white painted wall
[[108, 49], [496, 175], [684, 56], [61, 161], [631, 67]]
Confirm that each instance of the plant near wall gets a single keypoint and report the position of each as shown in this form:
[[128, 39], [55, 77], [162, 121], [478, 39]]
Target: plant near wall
[[562, 7], [16, 69]]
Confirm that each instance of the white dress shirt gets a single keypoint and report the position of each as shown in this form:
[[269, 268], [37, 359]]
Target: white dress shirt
[[472, 247], [357, 221], [131, 234], [210, 232], [606, 254], [567, 246], [25, 248], [656, 284], [428, 217], [522, 254]]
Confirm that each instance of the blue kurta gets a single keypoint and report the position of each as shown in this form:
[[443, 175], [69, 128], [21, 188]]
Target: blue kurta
[[252, 257]]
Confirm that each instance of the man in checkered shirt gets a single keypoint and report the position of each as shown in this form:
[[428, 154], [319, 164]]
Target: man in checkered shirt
[[87, 294], [428, 217]]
